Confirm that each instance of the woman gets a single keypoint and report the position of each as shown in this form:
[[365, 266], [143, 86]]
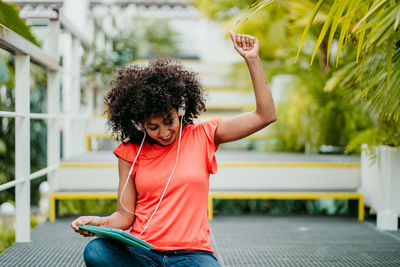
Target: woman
[[165, 160]]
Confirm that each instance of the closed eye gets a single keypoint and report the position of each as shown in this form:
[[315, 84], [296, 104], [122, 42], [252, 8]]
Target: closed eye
[[151, 127], [168, 122]]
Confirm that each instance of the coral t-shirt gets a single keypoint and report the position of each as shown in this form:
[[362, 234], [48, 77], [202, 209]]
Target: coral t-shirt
[[181, 221]]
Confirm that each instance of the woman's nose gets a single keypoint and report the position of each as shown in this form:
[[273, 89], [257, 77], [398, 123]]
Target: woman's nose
[[164, 132]]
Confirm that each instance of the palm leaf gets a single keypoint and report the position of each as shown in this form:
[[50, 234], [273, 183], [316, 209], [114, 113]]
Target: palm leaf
[[370, 12], [307, 28], [383, 100], [361, 39], [338, 77], [384, 23], [374, 73], [335, 23], [346, 24], [389, 53], [396, 23], [325, 28]]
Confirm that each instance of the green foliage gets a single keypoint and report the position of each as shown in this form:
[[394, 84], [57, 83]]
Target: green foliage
[[7, 132], [7, 236], [384, 133], [4, 73], [373, 26], [356, 79], [9, 17], [84, 206], [311, 117], [315, 117], [7, 233], [278, 207]]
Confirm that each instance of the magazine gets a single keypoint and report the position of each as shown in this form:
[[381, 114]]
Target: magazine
[[117, 234]]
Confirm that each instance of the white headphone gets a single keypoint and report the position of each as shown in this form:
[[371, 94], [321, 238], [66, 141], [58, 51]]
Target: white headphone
[[182, 108], [139, 126]]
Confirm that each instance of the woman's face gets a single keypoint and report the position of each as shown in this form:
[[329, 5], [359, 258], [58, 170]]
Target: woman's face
[[163, 130]]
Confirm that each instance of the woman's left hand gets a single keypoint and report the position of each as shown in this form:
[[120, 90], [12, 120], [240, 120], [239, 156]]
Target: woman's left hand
[[246, 45]]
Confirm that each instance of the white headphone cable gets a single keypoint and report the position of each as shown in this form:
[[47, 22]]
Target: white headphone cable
[[169, 179], [127, 179]]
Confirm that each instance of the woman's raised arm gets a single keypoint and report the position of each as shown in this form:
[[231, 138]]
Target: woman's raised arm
[[238, 127]]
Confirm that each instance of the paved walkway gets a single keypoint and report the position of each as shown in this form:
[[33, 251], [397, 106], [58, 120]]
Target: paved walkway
[[241, 241]]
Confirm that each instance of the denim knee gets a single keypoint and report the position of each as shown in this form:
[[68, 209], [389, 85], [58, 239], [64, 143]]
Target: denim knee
[[109, 253], [94, 251]]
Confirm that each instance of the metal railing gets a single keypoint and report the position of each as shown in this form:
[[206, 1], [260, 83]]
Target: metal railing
[[26, 52]]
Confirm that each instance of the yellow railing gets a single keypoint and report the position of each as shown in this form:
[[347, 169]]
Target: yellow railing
[[219, 195], [286, 195]]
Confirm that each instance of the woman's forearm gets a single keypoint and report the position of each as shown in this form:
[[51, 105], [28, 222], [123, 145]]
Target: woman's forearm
[[265, 106], [118, 219]]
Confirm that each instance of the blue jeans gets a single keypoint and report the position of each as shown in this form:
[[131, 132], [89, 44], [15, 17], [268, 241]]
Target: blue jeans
[[106, 252]]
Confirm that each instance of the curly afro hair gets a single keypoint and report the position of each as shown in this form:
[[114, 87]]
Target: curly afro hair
[[154, 89]]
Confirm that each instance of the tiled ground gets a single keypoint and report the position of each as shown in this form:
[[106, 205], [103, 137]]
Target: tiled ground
[[241, 241]]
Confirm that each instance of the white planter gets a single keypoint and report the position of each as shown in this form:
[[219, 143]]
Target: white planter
[[380, 184]]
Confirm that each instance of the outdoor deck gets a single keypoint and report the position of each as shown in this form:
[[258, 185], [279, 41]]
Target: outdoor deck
[[241, 241]]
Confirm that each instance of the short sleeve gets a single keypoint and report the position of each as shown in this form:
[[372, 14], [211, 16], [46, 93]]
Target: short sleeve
[[210, 128], [127, 151]]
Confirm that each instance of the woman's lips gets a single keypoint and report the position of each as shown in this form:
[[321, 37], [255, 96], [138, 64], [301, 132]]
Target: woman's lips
[[166, 140]]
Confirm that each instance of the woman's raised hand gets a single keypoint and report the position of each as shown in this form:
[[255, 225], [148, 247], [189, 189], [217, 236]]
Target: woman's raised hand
[[246, 45], [86, 220]]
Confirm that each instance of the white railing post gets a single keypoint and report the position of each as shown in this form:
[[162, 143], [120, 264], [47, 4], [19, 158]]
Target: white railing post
[[66, 95], [78, 136], [53, 102], [100, 40], [22, 148]]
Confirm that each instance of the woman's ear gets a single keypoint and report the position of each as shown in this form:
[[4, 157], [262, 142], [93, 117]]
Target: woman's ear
[[182, 108], [138, 126]]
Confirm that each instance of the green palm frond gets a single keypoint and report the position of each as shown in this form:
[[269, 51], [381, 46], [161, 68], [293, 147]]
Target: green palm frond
[[341, 6], [374, 7], [332, 11], [353, 6], [307, 28], [384, 100], [375, 29], [299, 12], [389, 53], [361, 39]]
